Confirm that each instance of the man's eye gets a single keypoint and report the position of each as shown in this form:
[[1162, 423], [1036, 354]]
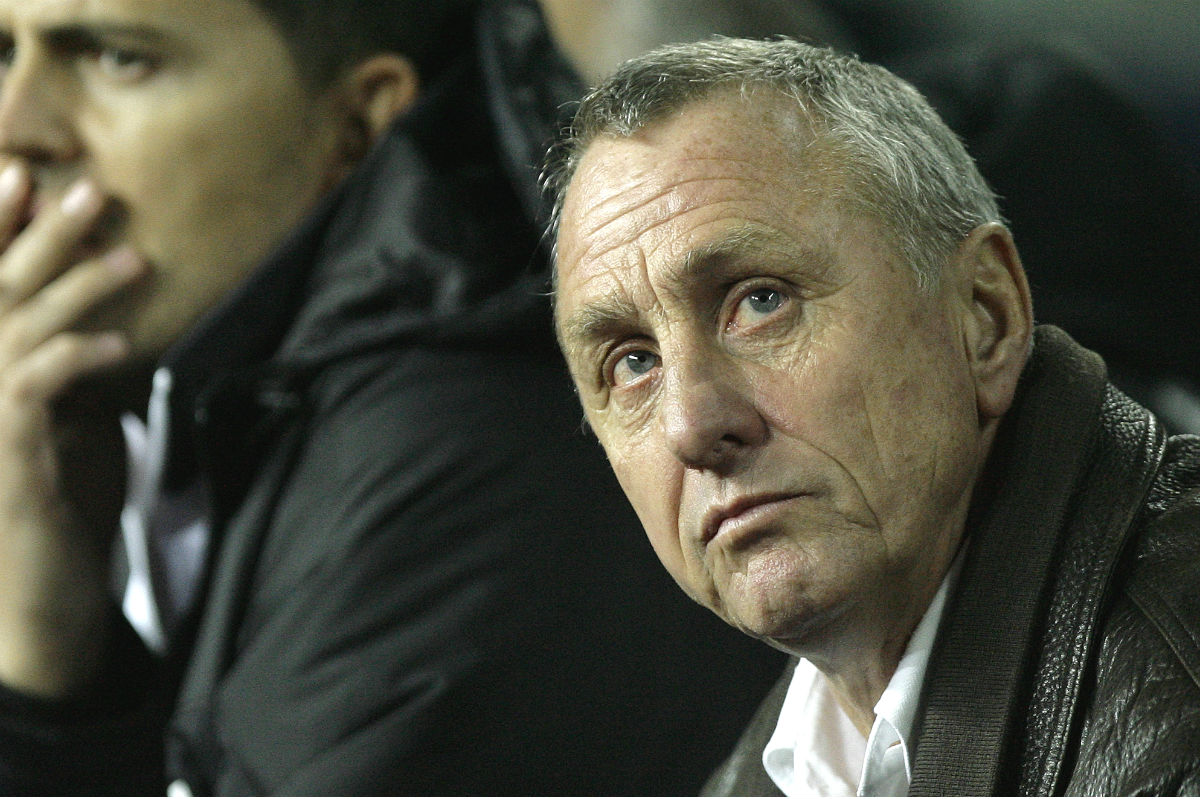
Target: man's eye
[[763, 301], [631, 366], [754, 306], [125, 64]]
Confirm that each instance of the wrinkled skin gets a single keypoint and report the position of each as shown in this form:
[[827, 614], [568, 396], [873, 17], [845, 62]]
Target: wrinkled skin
[[798, 426]]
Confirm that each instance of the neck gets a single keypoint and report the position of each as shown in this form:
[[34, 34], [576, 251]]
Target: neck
[[111, 394], [860, 657], [860, 677]]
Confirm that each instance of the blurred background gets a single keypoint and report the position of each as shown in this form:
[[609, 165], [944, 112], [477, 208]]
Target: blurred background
[[1152, 47], [1084, 115]]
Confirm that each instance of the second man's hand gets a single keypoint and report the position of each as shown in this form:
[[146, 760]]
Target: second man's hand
[[61, 473]]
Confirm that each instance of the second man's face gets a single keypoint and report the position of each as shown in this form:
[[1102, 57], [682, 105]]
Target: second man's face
[[794, 423], [191, 119]]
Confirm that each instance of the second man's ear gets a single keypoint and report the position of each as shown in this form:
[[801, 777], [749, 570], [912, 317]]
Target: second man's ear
[[374, 93], [1000, 320]]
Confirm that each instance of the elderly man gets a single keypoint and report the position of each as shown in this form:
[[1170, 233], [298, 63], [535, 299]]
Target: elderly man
[[805, 340]]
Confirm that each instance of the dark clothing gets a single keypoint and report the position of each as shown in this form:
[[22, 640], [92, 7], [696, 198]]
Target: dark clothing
[[1093, 195], [423, 576], [1104, 206], [1067, 661]]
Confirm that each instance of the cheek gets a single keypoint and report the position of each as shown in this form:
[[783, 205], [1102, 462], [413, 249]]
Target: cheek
[[917, 434], [888, 408], [205, 194], [653, 488], [212, 186]]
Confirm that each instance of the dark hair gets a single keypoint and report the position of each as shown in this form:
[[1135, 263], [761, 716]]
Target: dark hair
[[326, 36]]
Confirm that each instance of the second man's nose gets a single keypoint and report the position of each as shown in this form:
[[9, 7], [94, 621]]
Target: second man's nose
[[706, 410], [37, 104]]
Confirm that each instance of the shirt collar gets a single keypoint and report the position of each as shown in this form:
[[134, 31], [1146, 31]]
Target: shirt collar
[[816, 750], [815, 747]]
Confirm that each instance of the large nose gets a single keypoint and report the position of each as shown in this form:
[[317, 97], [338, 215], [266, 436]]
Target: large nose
[[707, 411], [35, 111]]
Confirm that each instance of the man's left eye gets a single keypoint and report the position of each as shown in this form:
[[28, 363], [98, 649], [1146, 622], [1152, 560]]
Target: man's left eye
[[763, 301], [754, 307], [125, 64]]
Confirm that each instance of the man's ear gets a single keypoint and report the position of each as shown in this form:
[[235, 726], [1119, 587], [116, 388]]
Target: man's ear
[[999, 323], [374, 92]]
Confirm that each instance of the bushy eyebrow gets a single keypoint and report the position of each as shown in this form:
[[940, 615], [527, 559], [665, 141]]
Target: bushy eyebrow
[[742, 243], [87, 35], [747, 243], [608, 316], [596, 321]]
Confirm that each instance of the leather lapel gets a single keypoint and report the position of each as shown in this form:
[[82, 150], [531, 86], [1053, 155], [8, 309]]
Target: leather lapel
[[977, 686], [1127, 457]]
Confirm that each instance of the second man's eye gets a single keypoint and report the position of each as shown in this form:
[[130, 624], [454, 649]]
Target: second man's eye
[[755, 306], [632, 365], [764, 301], [125, 64]]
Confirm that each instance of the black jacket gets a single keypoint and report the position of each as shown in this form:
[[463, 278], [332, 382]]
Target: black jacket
[[423, 577], [1069, 657]]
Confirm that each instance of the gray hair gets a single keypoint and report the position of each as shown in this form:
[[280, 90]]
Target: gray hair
[[907, 168]]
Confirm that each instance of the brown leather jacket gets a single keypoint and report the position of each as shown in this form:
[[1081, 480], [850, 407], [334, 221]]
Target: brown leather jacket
[[1069, 658]]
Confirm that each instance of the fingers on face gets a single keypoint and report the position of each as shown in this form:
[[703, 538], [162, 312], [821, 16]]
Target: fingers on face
[[66, 301], [40, 354], [37, 253], [15, 186], [45, 290], [48, 371]]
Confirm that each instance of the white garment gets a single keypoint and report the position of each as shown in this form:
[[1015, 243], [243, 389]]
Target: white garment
[[817, 751], [165, 535]]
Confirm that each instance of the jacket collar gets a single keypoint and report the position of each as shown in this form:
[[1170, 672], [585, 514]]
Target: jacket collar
[[1047, 526], [432, 239]]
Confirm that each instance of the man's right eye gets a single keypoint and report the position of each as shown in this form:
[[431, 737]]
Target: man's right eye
[[630, 366], [125, 64]]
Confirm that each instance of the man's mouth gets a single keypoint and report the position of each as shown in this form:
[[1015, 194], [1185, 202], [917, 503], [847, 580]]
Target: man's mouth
[[741, 512]]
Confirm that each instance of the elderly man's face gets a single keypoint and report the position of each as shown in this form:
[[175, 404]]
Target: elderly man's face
[[193, 121], [793, 421]]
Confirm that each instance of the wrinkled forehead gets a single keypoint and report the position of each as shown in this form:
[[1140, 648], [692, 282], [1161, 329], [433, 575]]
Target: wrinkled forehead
[[630, 198], [692, 178]]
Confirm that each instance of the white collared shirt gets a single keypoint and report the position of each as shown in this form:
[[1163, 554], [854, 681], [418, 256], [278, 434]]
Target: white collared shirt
[[164, 535], [817, 751]]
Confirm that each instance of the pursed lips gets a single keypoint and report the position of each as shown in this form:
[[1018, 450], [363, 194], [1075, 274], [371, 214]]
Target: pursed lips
[[740, 512]]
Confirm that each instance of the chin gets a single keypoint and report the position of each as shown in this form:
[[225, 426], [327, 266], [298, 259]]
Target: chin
[[134, 314], [774, 613], [795, 624], [788, 610]]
